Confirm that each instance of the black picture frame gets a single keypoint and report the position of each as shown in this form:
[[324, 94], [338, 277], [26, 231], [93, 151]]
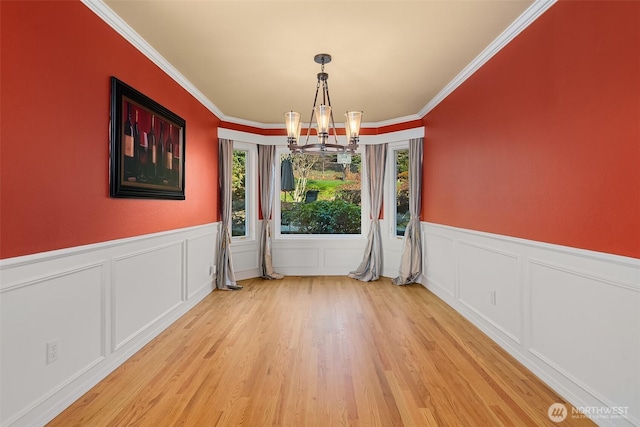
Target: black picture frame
[[147, 147]]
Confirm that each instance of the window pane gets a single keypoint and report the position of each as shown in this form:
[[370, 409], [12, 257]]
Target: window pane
[[402, 190], [319, 195], [239, 194]]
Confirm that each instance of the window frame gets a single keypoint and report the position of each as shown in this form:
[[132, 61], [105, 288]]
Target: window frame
[[251, 191], [365, 209], [390, 193]]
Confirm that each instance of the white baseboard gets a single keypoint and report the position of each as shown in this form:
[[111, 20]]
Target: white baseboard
[[102, 303], [569, 315]]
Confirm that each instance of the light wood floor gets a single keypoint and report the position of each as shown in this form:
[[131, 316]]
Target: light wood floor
[[319, 351]]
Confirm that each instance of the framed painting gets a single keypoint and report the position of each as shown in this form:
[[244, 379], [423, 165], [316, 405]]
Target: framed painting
[[147, 147]]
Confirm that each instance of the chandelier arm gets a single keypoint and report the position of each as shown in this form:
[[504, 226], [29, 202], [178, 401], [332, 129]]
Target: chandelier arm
[[315, 99], [333, 123]]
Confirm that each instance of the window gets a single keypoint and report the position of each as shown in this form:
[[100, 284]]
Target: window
[[320, 194], [401, 161], [239, 194]]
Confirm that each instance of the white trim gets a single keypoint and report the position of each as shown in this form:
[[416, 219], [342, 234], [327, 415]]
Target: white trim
[[136, 334], [390, 193], [251, 192], [114, 286], [61, 267], [365, 209], [398, 136], [543, 307], [601, 256], [105, 13], [52, 276], [499, 328], [523, 21], [389, 137], [54, 391], [577, 272], [20, 261], [109, 365], [248, 137], [391, 122], [382, 123], [121, 27], [251, 123]]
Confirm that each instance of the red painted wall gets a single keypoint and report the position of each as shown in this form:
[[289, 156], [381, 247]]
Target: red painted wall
[[543, 142], [57, 58]]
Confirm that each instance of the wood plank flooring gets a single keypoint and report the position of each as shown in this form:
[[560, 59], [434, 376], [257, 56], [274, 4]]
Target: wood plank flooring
[[319, 351]]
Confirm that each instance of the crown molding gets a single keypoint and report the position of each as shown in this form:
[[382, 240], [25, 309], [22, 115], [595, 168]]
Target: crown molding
[[114, 21], [391, 122], [383, 123], [254, 138], [251, 123], [528, 16], [105, 13]]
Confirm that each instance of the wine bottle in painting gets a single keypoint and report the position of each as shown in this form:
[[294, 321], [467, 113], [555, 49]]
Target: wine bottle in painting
[[160, 157], [152, 155], [176, 161], [128, 148], [141, 143], [168, 160]]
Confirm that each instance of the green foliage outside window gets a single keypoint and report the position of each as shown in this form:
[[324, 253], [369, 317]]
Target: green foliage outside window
[[324, 217], [402, 191], [336, 190], [238, 194]]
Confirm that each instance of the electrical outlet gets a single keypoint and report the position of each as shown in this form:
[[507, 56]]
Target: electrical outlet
[[210, 269], [492, 295], [53, 350]]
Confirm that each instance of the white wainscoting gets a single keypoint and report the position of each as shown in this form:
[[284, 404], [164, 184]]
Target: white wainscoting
[[299, 255], [244, 255], [101, 303], [335, 255], [571, 316], [317, 256]]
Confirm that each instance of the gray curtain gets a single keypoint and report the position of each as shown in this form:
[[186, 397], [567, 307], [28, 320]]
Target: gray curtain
[[411, 261], [371, 266], [225, 277], [267, 174]]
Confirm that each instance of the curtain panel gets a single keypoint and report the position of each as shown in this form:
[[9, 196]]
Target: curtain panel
[[371, 266], [267, 174], [411, 260], [225, 277]]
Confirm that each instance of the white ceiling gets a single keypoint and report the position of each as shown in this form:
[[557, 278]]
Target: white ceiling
[[254, 59]]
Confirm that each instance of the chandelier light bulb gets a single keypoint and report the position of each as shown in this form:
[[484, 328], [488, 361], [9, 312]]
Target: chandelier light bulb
[[292, 122], [323, 117], [354, 118]]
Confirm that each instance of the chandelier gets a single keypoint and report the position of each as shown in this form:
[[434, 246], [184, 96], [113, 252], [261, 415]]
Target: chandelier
[[324, 121]]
